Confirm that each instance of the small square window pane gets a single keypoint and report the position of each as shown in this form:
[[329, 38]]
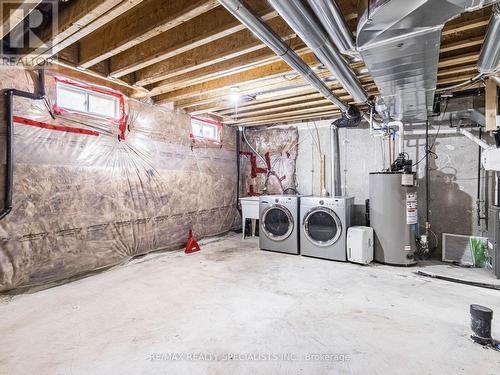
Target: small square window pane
[[209, 132], [103, 106], [71, 99], [197, 129]]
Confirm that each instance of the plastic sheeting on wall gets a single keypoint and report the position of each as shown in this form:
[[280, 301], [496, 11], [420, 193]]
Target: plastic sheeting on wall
[[84, 202], [278, 147]]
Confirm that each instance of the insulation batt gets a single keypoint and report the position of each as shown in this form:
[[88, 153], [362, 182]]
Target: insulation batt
[[281, 147], [84, 202]]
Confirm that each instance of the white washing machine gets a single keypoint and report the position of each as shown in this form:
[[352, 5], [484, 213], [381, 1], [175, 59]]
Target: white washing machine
[[324, 223], [279, 225]]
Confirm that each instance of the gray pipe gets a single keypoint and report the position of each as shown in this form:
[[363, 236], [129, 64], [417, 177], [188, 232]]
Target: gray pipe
[[307, 26], [248, 18], [489, 60], [336, 187], [333, 21]]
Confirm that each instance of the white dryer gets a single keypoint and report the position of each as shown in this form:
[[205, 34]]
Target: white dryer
[[324, 223], [279, 225]]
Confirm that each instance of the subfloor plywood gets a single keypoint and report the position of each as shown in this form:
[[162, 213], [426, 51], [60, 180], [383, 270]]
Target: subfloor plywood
[[231, 300]]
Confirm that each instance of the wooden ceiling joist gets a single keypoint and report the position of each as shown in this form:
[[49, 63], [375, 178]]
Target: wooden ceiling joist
[[206, 28], [267, 71], [13, 13], [150, 18], [296, 118], [82, 29], [258, 58], [226, 48], [469, 42], [70, 19], [453, 27], [192, 53]]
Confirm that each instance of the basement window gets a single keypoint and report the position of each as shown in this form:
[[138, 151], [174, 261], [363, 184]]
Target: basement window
[[78, 98], [207, 130]]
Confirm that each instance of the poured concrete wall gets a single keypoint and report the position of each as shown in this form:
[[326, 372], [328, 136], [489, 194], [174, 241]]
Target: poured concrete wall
[[453, 176]]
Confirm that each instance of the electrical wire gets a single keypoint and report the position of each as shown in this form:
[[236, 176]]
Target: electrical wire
[[469, 82], [253, 150], [429, 150]]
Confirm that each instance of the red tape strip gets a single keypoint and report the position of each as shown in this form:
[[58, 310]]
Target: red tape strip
[[38, 124]]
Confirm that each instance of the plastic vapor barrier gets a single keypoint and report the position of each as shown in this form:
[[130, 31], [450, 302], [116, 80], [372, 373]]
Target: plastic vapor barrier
[[91, 199]]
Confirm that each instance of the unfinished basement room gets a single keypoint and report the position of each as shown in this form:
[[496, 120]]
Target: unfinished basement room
[[249, 187]]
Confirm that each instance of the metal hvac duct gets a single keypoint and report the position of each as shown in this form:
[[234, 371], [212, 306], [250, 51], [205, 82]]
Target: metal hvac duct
[[333, 21], [399, 43], [307, 26], [309, 29], [489, 60], [248, 18], [335, 162]]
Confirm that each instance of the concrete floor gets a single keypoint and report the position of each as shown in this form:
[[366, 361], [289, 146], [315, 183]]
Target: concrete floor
[[231, 300]]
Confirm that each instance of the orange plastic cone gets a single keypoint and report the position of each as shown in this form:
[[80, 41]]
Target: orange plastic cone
[[191, 245]]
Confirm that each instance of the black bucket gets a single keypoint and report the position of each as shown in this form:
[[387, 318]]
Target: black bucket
[[480, 324]]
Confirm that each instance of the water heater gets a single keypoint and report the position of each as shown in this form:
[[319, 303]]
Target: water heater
[[394, 217]]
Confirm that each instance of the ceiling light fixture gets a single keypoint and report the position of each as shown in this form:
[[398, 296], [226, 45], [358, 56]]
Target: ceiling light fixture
[[235, 95]]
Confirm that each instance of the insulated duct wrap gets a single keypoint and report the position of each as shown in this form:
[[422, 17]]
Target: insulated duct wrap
[[84, 202]]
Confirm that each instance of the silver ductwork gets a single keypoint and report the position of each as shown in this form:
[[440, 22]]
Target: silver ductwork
[[489, 60], [306, 25], [248, 18], [335, 162], [333, 21], [399, 43]]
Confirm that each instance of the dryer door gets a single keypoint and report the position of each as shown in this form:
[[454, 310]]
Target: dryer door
[[277, 222], [322, 226]]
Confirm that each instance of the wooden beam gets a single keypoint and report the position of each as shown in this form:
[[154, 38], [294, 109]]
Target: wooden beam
[[323, 108], [288, 118], [261, 73], [274, 103], [460, 69], [254, 106], [150, 18], [491, 104], [68, 70], [267, 71], [459, 59], [206, 28], [267, 86], [469, 42], [212, 53], [290, 108], [70, 19], [455, 79], [221, 102], [13, 13], [239, 64], [81, 29], [306, 94], [452, 28]]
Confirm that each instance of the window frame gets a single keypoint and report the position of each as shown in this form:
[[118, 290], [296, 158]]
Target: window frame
[[121, 115], [88, 91], [207, 122]]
